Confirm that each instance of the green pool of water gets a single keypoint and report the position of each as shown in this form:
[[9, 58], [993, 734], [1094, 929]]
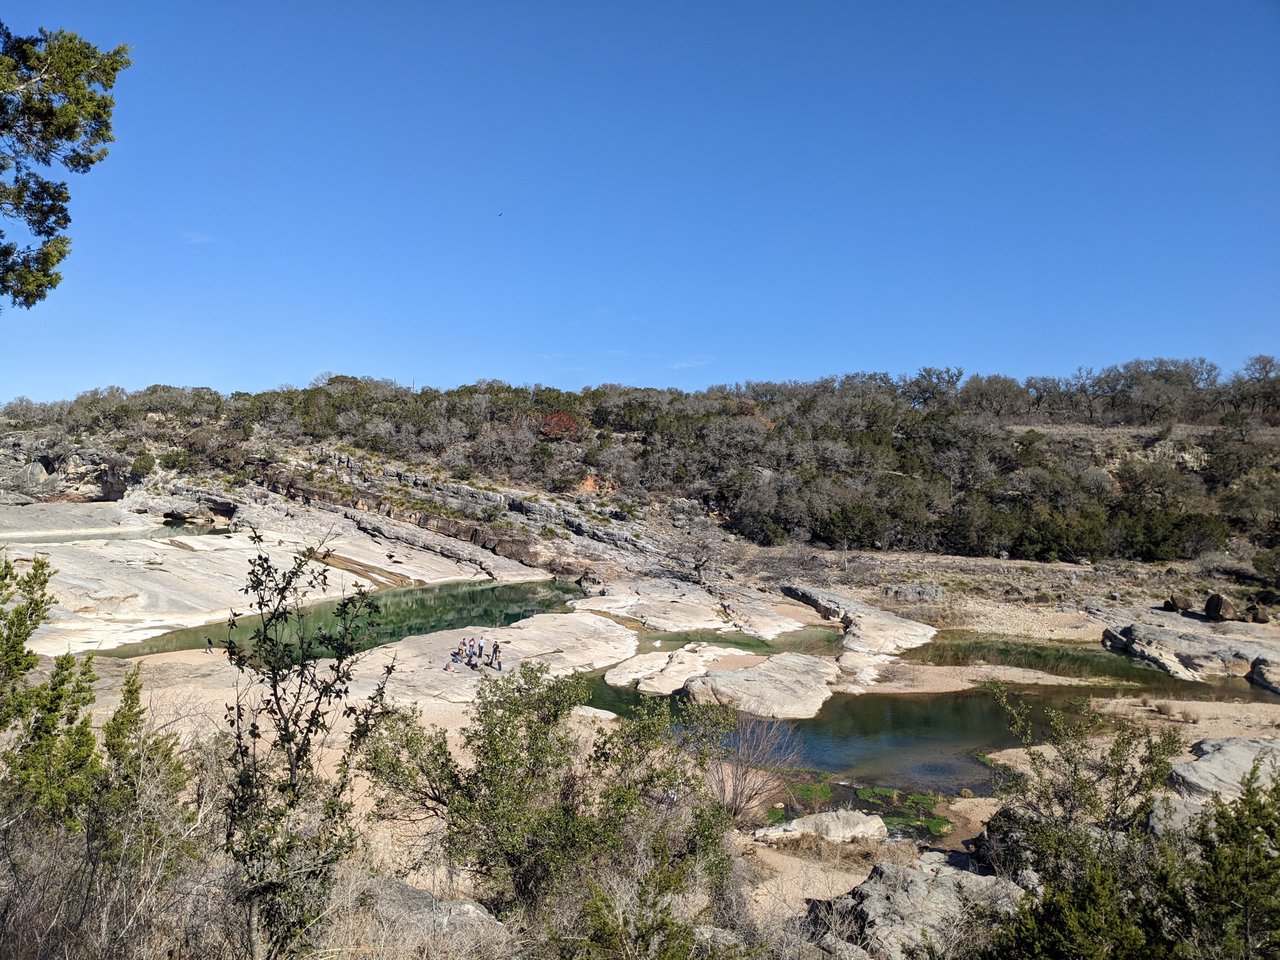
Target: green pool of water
[[404, 613], [965, 647], [932, 741]]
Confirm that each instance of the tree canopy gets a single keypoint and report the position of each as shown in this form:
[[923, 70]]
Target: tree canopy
[[55, 110]]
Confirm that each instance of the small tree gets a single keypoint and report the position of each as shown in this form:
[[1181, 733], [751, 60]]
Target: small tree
[[598, 835], [1224, 899], [1080, 822], [743, 755], [1079, 792], [289, 819], [91, 834]]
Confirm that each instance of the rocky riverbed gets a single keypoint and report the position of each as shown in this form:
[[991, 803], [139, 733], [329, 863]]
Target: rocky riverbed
[[130, 569]]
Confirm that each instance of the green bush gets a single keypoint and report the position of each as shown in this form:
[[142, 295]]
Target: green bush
[[142, 465]]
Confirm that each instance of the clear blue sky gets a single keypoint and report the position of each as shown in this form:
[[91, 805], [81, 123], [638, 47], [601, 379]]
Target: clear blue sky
[[664, 193]]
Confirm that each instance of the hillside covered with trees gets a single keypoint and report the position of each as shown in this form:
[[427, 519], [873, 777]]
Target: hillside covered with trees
[[1152, 460]]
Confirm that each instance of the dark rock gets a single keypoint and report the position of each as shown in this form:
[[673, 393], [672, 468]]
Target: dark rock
[[1219, 608], [1257, 614], [1177, 602]]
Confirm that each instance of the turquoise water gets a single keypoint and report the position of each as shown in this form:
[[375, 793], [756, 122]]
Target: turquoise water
[[404, 613]]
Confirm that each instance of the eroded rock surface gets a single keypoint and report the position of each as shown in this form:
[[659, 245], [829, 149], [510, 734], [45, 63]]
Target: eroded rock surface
[[899, 909], [872, 637], [46, 469], [1190, 655], [788, 685], [663, 673], [122, 576]]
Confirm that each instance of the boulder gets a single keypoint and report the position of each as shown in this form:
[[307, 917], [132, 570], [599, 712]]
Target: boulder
[[838, 826], [788, 685], [1177, 602], [1152, 644], [1220, 608], [417, 916], [1257, 614], [900, 909]]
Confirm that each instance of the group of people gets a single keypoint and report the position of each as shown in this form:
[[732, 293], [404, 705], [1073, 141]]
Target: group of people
[[470, 652]]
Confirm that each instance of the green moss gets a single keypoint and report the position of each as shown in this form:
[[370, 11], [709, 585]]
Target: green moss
[[811, 794]]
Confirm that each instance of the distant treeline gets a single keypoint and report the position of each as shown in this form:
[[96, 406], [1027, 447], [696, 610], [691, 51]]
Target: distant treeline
[[1154, 459]]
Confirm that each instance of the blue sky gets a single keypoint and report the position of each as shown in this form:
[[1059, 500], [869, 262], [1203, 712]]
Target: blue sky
[[664, 193]]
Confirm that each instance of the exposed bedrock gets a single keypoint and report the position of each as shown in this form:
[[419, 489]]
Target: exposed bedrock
[[1220, 764], [46, 469], [664, 672], [872, 637], [1197, 655], [900, 910], [838, 826], [789, 685]]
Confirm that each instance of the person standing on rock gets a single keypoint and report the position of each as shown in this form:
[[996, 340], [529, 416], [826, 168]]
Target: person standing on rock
[[495, 656], [480, 649], [208, 645]]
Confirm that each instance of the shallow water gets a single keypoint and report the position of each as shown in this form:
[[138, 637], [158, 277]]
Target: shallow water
[[931, 741], [403, 613], [1060, 658], [913, 741]]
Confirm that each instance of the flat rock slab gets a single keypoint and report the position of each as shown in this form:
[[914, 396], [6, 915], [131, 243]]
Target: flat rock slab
[[838, 826], [866, 628], [788, 685], [666, 605], [121, 577], [566, 643], [1220, 764], [629, 671], [872, 637]]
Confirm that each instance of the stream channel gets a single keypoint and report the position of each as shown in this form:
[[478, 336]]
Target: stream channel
[[915, 741]]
